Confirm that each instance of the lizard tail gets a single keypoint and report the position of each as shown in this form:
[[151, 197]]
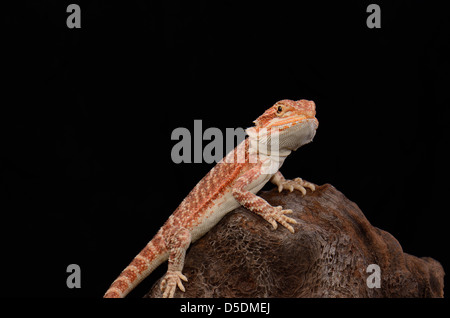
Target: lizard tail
[[151, 256]]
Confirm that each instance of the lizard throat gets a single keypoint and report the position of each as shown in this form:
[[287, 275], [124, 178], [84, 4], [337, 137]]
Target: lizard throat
[[281, 143], [267, 145]]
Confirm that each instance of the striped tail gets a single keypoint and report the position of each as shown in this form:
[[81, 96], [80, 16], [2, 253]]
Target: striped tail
[[142, 265]]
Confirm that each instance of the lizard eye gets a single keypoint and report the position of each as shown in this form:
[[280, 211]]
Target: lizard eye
[[279, 109]]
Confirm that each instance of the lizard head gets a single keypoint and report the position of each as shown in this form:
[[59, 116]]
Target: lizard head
[[293, 122]]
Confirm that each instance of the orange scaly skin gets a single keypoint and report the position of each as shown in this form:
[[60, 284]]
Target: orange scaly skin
[[234, 181]]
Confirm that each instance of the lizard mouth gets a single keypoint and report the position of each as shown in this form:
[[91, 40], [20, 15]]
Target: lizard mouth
[[285, 123]]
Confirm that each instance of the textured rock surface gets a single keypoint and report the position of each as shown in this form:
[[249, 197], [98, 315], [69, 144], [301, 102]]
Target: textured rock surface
[[327, 256]]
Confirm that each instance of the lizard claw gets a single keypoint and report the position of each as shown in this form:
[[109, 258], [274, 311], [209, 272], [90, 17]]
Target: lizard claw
[[169, 284], [297, 184], [278, 215]]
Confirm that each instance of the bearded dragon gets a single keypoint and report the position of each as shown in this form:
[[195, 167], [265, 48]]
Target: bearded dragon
[[232, 182]]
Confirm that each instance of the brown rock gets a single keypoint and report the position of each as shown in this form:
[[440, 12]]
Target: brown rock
[[243, 256]]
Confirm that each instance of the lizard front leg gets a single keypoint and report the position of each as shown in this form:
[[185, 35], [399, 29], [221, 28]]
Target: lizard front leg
[[257, 204], [178, 244], [290, 185]]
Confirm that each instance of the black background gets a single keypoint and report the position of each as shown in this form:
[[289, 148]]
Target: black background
[[87, 115]]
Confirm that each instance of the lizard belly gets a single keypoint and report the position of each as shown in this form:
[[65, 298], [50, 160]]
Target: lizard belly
[[221, 207]]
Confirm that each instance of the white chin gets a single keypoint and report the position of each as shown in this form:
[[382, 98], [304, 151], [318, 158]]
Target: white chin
[[298, 135]]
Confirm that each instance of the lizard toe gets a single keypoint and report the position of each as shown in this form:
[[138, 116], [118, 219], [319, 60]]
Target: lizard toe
[[169, 284]]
